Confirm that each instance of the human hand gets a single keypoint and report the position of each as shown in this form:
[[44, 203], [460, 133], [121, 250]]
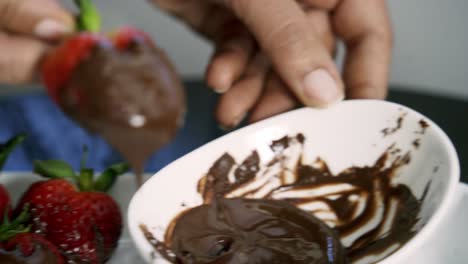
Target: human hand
[[271, 54], [27, 29]]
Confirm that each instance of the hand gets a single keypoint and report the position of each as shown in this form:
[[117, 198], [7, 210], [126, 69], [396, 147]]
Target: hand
[[27, 27], [271, 54]]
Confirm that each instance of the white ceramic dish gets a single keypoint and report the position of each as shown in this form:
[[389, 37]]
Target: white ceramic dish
[[347, 134]]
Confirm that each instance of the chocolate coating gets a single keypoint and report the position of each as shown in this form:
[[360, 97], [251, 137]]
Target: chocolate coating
[[133, 98]]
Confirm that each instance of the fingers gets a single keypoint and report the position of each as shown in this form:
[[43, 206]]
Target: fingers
[[234, 105], [41, 18], [320, 21], [276, 99], [365, 27], [296, 51], [230, 60], [18, 58]]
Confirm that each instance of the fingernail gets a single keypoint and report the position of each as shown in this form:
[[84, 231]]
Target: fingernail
[[220, 90], [321, 88], [49, 28], [233, 125], [238, 120]]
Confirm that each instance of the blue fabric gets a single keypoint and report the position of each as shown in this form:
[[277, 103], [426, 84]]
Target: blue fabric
[[51, 135]]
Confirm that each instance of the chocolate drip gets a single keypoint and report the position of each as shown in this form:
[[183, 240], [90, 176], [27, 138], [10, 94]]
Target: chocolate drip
[[133, 98]]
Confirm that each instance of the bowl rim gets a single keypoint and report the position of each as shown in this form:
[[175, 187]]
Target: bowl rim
[[402, 254]]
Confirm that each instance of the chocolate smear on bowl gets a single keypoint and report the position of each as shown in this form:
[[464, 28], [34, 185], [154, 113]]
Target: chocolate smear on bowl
[[392, 130], [359, 211]]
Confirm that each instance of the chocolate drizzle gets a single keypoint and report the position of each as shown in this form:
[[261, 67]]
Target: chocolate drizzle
[[371, 214], [392, 130]]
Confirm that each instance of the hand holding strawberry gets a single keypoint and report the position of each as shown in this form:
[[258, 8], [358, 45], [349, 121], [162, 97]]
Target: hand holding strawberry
[[121, 86]]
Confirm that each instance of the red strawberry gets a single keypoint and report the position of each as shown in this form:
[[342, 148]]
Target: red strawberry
[[17, 245], [73, 211], [60, 65], [120, 86]]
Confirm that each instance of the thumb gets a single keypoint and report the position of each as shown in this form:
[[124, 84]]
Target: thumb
[[296, 51], [45, 19]]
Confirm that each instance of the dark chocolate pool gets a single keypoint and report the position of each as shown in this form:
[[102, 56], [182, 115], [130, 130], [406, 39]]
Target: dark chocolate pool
[[284, 210]]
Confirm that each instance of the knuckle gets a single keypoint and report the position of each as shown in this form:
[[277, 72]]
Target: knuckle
[[384, 38], [14, 68], [240, 7]]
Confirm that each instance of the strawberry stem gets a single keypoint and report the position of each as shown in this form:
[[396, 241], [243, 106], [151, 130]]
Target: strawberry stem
[[9, 146], [85, 180], [84, 157], [89, 18], [10, 229]]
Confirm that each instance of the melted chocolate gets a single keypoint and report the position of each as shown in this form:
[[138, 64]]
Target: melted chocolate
[[40, 256], [252, 231], [369, 213], [133, 98]]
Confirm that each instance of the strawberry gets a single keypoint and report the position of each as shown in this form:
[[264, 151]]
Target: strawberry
[[5, 150], [118, 85], [74, 212], [18, 245], [60, 65]]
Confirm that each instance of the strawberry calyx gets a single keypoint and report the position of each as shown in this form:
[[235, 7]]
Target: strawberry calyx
[[8, 147], [89, 19], [85, 179], [10, 229]]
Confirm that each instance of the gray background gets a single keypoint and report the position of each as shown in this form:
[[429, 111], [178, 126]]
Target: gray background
[[431, 38]]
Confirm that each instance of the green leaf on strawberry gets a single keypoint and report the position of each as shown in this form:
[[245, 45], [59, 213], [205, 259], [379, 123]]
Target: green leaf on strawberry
[[9, 229], [8, 147], [85, 179], [107, 178], [54, 169], [89, 18]]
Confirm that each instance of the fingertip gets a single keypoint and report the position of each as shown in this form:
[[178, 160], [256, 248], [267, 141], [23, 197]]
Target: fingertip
[[219, 79], [321, 89], [50, 29]]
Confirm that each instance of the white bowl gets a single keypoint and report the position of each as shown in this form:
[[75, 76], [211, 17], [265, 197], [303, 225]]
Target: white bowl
[[344, 135]]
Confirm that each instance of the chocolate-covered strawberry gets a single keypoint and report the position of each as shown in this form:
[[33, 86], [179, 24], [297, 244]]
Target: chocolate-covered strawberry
[[74, 212], [121, 86]]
